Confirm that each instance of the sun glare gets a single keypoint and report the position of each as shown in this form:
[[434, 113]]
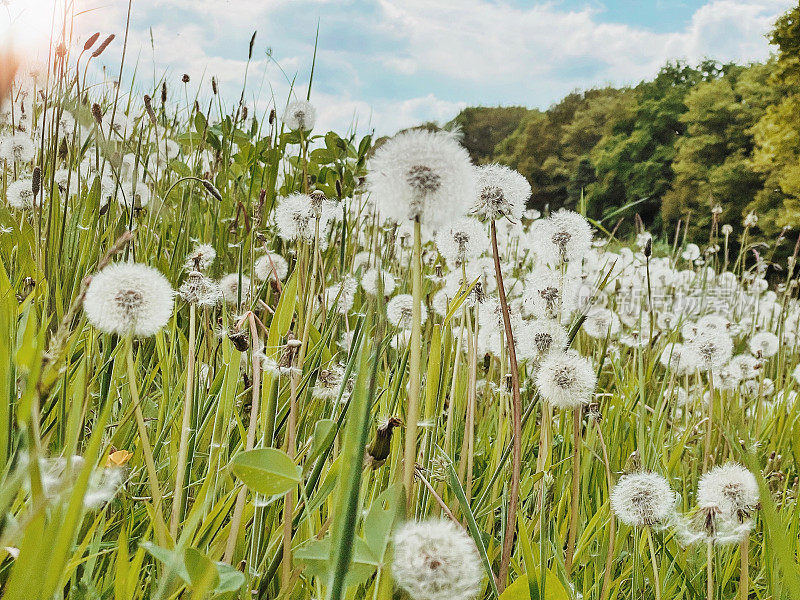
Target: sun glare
[[26, 24]]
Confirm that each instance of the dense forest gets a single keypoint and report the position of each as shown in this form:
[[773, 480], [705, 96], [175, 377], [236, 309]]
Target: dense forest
[[669, 149]]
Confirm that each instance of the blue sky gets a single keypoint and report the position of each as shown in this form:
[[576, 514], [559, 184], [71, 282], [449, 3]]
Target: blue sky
[[393, 63]]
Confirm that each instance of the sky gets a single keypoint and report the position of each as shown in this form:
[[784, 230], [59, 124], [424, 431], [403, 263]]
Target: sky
[[388, 64]]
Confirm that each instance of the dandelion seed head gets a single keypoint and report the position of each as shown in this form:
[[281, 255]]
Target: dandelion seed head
[[17, 148], [764, 344], [200, 290], [129, 298], [231, 290], [500, 192], [566, 236], [731, 488], [642, 499], [713, 347], [20, 194], [300, 115], [566, 379], [539, 337], [270, 265], [746, 365], [342, 293], [399, 311], [201, 258], [436, 560], [461, 241], [421, 175], [369, 282]]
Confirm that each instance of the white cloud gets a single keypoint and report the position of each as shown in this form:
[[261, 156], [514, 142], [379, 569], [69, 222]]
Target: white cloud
[[489, 42], [437, 55], [384, 116]]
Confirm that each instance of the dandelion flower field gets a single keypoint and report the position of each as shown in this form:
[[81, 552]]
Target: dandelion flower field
[[246, 358]]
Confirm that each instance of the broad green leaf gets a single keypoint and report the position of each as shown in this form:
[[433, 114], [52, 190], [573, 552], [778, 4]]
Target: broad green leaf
[[202, 572], [378, 523], [316, 555], [519, 589], [268, 471]]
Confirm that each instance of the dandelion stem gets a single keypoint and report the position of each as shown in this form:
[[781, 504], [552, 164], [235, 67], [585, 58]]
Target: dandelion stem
[[612, 526], [516, 459], [415, 360], [654, 561], [710, 570], [147, 451], [183, 448], [576, 488], [744, 568], [238, 510]]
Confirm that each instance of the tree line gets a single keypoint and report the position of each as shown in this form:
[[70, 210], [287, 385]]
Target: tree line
[[670, 149]]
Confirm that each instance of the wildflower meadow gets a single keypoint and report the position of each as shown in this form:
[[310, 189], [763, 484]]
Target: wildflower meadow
[[243, 357]]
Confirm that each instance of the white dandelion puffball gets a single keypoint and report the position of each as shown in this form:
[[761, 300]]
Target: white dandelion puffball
[[398, 311], [691, 253], [642, 499], [566, 379], [369, 282], [17, 148], [328, 383], [20, 194], [731, 488], [764, 344], [461, 241], [679, 358], [200, 290], [422, 175], [566, 236], [231, 291], [602, 322], [540, 337], [296, 217], [500, 192], [746, 365], [201, 258], [129, 298], [436, 560], [300, 115], [713, 347], [342, 294], [134, 194], [548, 294], [67, 182], [270, 265]]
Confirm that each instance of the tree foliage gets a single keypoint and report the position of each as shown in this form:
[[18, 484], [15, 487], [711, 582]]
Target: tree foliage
[[670, 149]]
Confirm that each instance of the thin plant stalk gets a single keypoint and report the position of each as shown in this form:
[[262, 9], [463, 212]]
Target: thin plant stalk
[[576, 488], [612, 525], [654, 562], [516, 409], [183, 447], [238, 510], [147, 450], [744, 568], [415, 363], [710, 570]]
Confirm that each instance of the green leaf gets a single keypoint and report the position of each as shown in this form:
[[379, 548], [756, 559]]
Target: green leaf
[[268, 471], [455, 485], [316, 555], [202, 572], [180, 167], [519, 589], [378, 523], [323, 429], [230, 579]]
